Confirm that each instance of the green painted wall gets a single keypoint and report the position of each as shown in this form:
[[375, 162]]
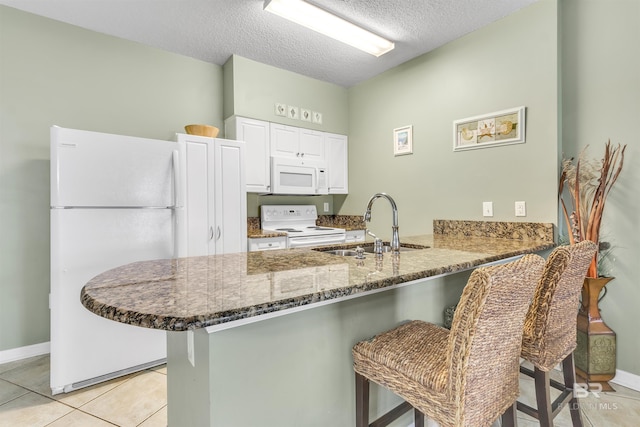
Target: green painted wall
[[509, 63], [251, 89], [54, 73], [601, 101], [258, 87]]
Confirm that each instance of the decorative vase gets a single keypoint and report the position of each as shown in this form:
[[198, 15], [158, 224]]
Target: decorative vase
[[595, 354]]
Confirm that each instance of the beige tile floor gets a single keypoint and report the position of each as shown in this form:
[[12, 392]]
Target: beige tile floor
[[140, 399]]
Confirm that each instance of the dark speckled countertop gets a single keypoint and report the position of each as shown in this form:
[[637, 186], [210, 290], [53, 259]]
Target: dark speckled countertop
[[196, 292]]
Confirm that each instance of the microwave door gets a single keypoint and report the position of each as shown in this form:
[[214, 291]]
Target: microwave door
[[295, 180]]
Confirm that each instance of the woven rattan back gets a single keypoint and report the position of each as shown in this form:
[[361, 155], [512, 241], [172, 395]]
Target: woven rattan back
[[550, 326], [486, 336]]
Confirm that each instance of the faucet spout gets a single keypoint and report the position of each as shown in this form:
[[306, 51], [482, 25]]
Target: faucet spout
[[395, 239]]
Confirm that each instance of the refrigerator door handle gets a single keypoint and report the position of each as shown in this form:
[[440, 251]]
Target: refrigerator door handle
[[177, 200]]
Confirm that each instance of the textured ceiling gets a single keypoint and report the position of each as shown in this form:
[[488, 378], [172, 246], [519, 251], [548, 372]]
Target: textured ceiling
[[213, 30]]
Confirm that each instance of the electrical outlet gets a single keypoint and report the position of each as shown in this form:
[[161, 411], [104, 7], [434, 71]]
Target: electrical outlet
[[487, 208], [326, 206], [521, 209]]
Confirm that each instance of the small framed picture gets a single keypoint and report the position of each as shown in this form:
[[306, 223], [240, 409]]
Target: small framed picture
[[317, 117], [403, 140], [281, 110], [305, 115], [490, 130], [293, 112]]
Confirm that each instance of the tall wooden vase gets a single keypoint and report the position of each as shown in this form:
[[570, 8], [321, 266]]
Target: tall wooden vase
[[595, 355]]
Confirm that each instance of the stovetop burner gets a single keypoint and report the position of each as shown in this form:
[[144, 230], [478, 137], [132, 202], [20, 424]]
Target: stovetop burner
[[289, 230]]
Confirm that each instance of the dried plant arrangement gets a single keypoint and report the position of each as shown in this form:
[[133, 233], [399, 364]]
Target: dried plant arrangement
[[588, 183]]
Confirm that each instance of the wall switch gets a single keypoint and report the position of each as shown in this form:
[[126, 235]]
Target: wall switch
[[487, 208], [521, 209], [326, 206]]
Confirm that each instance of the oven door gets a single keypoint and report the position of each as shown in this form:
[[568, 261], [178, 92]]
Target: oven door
[[310, 241]]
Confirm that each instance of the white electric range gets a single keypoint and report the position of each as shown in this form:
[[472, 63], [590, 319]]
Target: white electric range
[[299, 223]]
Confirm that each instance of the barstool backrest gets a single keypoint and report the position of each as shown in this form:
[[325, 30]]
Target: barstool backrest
[[486, 335], [550, 325]]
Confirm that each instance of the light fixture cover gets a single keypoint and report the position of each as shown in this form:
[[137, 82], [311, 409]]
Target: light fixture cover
[[330, 25]]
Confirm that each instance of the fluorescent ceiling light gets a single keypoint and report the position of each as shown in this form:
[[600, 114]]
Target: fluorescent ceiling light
[[330, 25]]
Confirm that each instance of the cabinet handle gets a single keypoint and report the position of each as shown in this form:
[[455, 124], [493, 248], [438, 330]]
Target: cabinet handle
[[211, 233], [301, 154], [297, 154], [219, 233]]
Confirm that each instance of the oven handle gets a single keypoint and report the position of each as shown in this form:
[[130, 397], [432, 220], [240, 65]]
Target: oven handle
[[302, 242]]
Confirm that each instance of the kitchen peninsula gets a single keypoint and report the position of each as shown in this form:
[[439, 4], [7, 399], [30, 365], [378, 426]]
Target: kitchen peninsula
[[253, 354]]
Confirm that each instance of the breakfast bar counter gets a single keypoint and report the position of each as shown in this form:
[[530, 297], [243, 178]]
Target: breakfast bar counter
[[264, 338]]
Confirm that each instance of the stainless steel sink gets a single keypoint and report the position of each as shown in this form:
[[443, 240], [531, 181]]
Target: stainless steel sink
[[368, 248], [341, 252], [385, 249]]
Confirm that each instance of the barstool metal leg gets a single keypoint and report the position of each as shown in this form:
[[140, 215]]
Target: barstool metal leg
[[543, 398], [362, 401], [509, 418], [418, 418], [569, 372]]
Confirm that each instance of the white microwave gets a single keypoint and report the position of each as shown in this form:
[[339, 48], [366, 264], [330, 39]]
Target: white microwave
[[296, 176]]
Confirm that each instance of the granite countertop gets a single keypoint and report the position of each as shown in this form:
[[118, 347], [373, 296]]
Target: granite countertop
[[348, 222], [189, 293]]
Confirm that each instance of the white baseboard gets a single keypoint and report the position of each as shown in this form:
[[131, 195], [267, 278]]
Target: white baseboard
[[24, 352], [627, 379]]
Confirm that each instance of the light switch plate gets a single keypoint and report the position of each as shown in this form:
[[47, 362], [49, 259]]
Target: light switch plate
[[487, 208]]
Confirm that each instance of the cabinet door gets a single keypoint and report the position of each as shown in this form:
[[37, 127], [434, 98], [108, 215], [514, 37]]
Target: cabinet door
[[199, 196], [337, 163], [255, 134], [230, 225], [312, 145], [285, 140]]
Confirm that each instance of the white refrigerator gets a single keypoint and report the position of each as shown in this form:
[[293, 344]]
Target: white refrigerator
[[114, 200]]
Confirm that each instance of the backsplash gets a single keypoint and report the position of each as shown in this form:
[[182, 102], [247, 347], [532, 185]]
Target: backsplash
[[349, 222], [535, 231]]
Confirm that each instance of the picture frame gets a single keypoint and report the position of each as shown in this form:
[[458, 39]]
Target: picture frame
[[504, 127], [403, 140]]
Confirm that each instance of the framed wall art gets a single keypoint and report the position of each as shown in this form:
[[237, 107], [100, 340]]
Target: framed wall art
[[490, 130], [403, 140]]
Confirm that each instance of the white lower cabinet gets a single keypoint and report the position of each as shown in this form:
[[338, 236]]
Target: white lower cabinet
[[354, 236], [267, 243], [216, 202]]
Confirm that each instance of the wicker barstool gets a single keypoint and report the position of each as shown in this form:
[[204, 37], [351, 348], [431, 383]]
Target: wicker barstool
[[550, 330], [464, 377]]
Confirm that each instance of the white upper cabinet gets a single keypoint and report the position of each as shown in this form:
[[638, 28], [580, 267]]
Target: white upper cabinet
[[264, 139], [336, 147], [291, 141], [285, 140], [312, 146], [255, 134]]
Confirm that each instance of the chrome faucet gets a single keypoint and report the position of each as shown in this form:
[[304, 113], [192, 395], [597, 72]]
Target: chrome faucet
[[395, 239]]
